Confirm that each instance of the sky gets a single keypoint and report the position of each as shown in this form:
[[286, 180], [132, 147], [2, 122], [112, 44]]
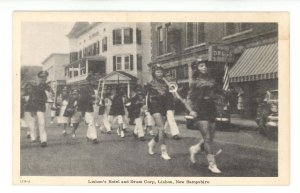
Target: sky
[[40, 39]]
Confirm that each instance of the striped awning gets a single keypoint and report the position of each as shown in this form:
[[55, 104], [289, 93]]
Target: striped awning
[[257, 63]]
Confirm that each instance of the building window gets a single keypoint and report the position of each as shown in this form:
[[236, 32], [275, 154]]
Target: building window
[[182, 72], [194, 34], [160, 34], [138, 36], [123, 62], [139, 62], [164, 39], [233, 28], [73, 56], [98, 48], [127, 62], [82, 68], [104, 44], [66, 72], [117, 36], [128, 33], [119, 63]]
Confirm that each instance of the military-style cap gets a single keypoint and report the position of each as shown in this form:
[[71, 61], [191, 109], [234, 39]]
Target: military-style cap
[[65, 89], [75, 91], [157, 67], [42, 73]]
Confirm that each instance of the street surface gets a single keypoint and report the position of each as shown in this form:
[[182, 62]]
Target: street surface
[[245, 153]]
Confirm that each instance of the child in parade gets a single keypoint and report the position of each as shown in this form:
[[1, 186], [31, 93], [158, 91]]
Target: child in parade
[[158, 93], [201, 99], [72, 112], [61, 119]]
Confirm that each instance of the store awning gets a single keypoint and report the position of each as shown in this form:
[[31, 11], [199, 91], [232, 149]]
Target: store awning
[[257, 63], [117, 77]]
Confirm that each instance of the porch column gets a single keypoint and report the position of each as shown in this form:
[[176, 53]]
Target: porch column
[[190, 73], [128, 89], [86, 66]]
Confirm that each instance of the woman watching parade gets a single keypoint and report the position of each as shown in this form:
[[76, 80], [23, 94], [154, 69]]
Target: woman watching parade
[[201, 99]]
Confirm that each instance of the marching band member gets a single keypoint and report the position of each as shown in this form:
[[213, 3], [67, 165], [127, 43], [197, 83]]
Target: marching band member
[[117, 110], [201, 99], [72, 112], [170, 116], [158, 96], [85, 106], [61, 119], [104, 109], [29, 112], [134, 107], [37, 102]]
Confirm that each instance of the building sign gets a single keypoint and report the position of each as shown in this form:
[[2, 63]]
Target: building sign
[[220, 53]]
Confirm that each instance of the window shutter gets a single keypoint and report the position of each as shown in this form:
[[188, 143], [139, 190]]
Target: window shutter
[[131, 62], [114, 37], [114, 64], [131, 35]]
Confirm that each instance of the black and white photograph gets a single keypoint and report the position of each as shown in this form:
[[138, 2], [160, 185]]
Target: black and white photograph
[[151, 99]]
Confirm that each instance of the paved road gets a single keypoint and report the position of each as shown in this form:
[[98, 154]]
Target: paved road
[[244, 154]]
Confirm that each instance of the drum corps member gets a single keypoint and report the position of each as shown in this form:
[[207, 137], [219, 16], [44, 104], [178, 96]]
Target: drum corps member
[[201, 99], [104, 108], [37, 107], [85, 106], [134, 107], [158, 97], [117, 110]]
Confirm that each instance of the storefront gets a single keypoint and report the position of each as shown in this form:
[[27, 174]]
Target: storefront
[[253, 74]]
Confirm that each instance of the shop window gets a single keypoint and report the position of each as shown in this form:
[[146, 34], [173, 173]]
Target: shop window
[[117, 36], [128, 36]]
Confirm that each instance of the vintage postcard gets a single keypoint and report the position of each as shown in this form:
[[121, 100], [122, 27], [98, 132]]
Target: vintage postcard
[[151, 98]]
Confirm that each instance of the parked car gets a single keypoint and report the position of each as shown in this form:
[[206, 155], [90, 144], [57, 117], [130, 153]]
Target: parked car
[[267, 115], [223, 112]]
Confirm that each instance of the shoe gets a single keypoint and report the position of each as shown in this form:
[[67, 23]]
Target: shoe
[[73, 135], [193, 153], [213, 168], [151, 132], [135, 135], [142, 138], [95, 141], [164, 153], [44, 144], [151, 145], [176, 137], [122, 134], [33, 141], [165, 156], [64, 133], [108, 132], [51, 122], [28, 136]]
